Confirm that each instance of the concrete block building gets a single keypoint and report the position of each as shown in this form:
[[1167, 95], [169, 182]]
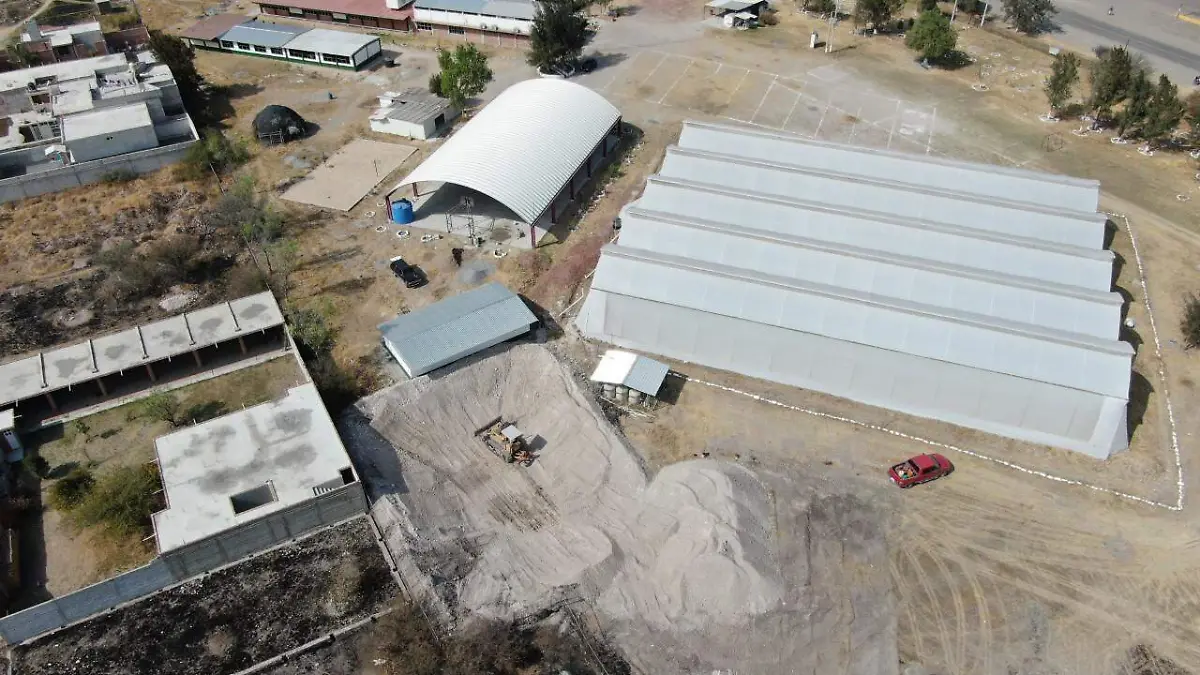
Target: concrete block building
[[241, 34], [498, 22], [413, 113]]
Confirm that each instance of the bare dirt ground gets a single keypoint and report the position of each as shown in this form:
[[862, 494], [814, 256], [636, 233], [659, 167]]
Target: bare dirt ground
[[231, 619], [708, 565], [63, 558]]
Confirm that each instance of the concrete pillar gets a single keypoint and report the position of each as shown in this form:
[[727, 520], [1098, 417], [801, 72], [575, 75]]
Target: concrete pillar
[[150, 372], [589, 167], [532, 237], [242, 344], [553, 213], [414, 190], [103, 389], [50, 400], [199, 363]]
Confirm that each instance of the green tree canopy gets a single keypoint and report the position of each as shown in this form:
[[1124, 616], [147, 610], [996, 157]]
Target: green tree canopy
[[1064, 75], [926, 5], [1111, 76], [932, 35], [465, 74], [1138, 106], [1165, 111], [1029, 16], [875, 13], [181, 59], [1192, 114], [559, 34]]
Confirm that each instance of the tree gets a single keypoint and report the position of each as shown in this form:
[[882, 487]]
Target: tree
[[69, 491], [1138, 106], [1064, 75], [162, 406], [926, 5], [464, 75], [1029, 16], [1110, 76], [932, 35], [559, 34], [20, 55], [181, 59], [876, 12], [1190, 325], [435, 84], [1164, 112], [1192, 114], [820, 6]]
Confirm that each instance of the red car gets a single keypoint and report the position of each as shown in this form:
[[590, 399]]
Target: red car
[[920, 469]]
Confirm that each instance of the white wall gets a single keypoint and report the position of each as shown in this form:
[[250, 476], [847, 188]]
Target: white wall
[[403, 128], [366, 54], [440, 17], [116, 143]]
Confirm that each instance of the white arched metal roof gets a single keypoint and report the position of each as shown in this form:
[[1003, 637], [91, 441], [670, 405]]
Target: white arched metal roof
[[524, 146]]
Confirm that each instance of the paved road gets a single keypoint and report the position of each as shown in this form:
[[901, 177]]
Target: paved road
[[1117, 35]]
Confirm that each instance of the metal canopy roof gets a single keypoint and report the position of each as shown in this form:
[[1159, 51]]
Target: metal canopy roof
[[1019, 185], [980, 311], [630, 370], [456, 327], [524, 146]]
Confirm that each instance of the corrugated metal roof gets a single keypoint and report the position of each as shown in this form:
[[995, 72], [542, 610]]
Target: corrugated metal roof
[[875, 290], [357, 7], [510, 9], [413, 105], [1018, 185], [935, 285], [457, 326], [524, 146], [988, 251], [902, 199], [263, 34], [338, 42], [630, 370], [213, 27]]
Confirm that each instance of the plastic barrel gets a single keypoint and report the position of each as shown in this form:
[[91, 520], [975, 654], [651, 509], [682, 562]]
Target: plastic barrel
[[402, 212]]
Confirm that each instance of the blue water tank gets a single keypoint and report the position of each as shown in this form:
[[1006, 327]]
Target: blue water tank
[[402, 211]]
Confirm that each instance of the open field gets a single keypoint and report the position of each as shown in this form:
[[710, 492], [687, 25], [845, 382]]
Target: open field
[[57, 557], [230, 619]]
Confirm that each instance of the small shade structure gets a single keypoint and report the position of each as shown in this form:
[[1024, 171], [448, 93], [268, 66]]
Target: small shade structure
[[626, 369], [455, 328]]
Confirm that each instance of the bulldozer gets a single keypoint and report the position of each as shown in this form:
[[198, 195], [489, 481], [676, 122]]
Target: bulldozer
[[505, 441]]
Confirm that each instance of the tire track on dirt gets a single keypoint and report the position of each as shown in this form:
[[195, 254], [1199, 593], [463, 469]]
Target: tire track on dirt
[[905, 592], [922, 577], [960, 612]]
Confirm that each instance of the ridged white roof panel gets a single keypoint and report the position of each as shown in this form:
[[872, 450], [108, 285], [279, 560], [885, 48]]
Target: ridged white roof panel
[[524, 146], [1019, 185]]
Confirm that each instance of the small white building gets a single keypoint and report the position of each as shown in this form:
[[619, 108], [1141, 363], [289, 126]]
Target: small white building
[[108, 132], [413, 113]]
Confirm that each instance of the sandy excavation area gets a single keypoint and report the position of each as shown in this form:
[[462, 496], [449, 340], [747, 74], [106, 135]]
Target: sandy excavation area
[[706, 566]]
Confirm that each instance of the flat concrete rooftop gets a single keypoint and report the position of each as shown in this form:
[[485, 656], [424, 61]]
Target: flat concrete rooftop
[[283, 453], [181, 334]]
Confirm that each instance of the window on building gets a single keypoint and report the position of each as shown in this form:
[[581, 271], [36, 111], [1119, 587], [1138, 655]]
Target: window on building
[[424, 26], [253, 498], [457, 30], [243, 45], [296, 10], [301, 54], [227, 44], [336, 58], [277, 50], [258, 48], [339, 17]]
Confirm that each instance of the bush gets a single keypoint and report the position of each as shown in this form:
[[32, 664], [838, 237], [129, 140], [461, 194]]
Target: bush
[[70, 491], [926, 5], [435, 84], [118, 176], [311, 328], [768, 17], [214, 152], [35, 465], [121, 501], [162, 406], [1190, 326]]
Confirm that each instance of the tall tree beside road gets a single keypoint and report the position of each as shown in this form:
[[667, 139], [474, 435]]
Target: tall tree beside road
[[1029, 16], [876, 12], [465, 74], [1193, 117], [179, 56], [1064, 75], [1110, 75], [932, 35], [1138, 106], [559, 34], [1164, 113]]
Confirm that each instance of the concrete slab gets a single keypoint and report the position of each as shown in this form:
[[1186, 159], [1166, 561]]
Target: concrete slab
[[346, 177]]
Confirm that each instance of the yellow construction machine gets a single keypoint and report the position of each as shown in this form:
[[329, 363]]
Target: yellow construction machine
[[506, 441]]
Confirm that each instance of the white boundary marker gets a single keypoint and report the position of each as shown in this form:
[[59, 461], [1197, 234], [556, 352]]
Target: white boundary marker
[[1162, 375]]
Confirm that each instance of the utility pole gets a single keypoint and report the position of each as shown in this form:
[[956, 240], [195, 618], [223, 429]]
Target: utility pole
[[954, 12], [837, 8], [983, 17]]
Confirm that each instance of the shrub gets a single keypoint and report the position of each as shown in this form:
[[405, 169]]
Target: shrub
[[214, 152], [118, 176], [435, 84], [926, 5], [35, 465], [71, 490], [768, 17], [1191, 321], [121, 501], [311, 328]]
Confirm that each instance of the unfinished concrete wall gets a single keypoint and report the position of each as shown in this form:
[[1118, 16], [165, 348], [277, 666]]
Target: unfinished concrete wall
[[86, 173], [182, 564]]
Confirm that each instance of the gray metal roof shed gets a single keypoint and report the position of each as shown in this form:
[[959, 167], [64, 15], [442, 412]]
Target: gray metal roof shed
[[455, 328], [263, 34], [890, 307]]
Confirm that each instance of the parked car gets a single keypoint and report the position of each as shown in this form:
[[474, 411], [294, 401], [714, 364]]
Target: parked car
[[412, 276], [588, 65], [557, 72], [920, 469]]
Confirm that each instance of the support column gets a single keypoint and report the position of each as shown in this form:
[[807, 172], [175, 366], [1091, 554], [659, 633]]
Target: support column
[[553, 213], [53, 404], [103, 389], [199, 363], [532, 236], [150, 372], [242, 344]]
